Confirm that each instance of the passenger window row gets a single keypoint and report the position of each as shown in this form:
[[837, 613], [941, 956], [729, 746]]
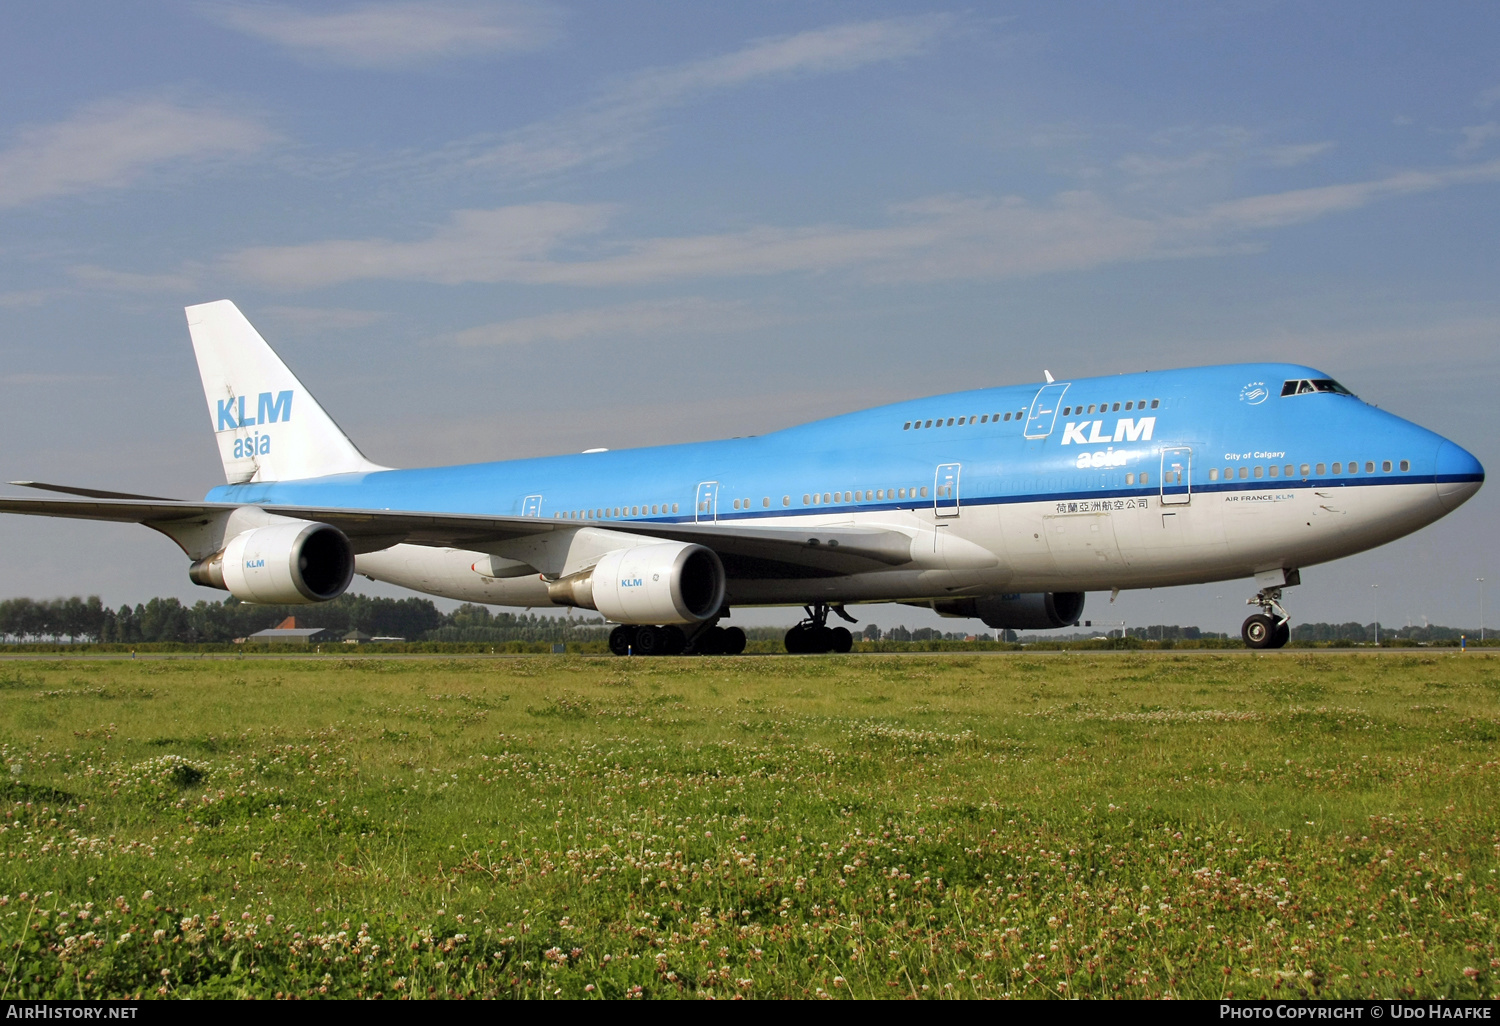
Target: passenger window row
[[971, 419], [613, 512], [1308, 470], [808, 499], [1077, 411], [865, 495]]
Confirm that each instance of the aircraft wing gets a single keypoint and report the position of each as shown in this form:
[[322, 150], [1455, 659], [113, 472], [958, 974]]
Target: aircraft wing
[[746, 550]]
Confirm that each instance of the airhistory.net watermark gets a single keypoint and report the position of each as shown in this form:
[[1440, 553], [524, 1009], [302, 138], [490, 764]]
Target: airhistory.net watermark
[[49, 1010]]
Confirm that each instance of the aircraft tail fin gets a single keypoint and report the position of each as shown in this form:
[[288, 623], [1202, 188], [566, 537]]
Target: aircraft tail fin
[[267, 425]]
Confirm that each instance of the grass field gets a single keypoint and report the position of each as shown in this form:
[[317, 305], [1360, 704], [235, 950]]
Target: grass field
[[1080, 825]]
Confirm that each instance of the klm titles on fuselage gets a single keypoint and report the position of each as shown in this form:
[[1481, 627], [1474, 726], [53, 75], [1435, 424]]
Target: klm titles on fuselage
[[1127, 429], [270, 409]]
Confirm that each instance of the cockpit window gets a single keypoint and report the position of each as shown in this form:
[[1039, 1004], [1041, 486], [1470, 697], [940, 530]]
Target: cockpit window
[[1305, 386]]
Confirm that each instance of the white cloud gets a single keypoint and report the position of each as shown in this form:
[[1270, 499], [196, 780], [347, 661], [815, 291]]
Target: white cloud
[[1437, 346], [47, 379], [129, 281], [310, 318], [27, 297], [476, 245], [1215, 147], [1292, 154], [937, 238], [1296, 206], [393, 34], [656, 317], [112, 144], [1475, 138], [608, 129]]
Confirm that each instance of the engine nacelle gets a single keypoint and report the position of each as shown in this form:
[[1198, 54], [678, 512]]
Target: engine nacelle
[[1038, 610], [284, 564], [658, 583]]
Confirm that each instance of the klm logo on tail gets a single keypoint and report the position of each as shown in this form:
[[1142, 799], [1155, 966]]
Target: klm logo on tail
[[271, 409]]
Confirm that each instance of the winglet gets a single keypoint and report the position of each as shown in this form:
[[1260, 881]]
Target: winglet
[[268, 427], [1049, 375]]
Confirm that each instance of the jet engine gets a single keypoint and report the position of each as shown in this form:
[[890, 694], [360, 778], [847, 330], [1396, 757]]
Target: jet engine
[[1038, 610], [657, 583], [288, 563]]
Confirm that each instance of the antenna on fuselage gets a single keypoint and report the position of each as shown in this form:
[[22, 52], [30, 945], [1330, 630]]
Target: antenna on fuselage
[[1050, 379]]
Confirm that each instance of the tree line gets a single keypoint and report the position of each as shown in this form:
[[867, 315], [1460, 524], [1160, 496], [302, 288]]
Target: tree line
[[168, 620], [418, 619]]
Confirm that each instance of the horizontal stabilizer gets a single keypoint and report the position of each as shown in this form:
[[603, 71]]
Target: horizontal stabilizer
[[89, 493]]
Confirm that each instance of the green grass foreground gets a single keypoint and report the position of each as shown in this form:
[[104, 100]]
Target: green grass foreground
[[1078, 825]]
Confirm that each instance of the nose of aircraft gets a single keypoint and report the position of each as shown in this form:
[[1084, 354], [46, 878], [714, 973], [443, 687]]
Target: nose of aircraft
[[1459, 475]]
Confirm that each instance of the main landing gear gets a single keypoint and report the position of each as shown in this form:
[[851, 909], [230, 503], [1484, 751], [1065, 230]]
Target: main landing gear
[[813, 634], [708, 638], [1270, 628]]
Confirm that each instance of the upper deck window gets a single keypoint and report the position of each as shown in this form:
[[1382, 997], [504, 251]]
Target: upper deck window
[[1306, 386]]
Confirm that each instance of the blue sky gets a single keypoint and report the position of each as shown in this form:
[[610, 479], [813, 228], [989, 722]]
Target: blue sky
[[481, 231]]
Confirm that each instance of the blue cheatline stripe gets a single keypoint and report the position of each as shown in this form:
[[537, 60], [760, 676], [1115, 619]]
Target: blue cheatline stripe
[[1262, 485]]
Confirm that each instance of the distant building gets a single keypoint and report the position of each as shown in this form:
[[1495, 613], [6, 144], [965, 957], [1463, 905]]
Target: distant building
[[288, 633], [357, 637]]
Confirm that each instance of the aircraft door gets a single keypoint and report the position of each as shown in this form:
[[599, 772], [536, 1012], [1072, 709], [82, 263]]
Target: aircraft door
[[945, 490], [1176, 476], [531, 506], [1044, 411], [706, 506]]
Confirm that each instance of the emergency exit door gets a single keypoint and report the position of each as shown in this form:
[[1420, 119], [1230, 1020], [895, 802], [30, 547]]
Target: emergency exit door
[[1176, 476], [945, 490]]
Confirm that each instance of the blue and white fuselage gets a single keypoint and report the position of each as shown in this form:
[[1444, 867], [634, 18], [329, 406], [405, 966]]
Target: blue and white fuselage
[[1133, 481], [1003, 503]]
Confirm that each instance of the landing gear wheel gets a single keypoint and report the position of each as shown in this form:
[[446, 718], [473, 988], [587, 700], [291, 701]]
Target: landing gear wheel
[[734, 641], [650, 641], [622, 639], [814, 634], [1259, 631], [798, 642], [1272, 626], [675, 640], [710, 641]]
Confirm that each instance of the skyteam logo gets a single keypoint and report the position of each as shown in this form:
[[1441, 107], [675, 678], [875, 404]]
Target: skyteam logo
[[1255, 393], [269, 410]]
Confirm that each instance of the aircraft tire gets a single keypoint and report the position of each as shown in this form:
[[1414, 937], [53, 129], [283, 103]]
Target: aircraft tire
[[1283, 635], [710, 642], [796, 641], [650, 641], [734, 641], [676, 641], [842, 640], [622, 639], [1259, 631]]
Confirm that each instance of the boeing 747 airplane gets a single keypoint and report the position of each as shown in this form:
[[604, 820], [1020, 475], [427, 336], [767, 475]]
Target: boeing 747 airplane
[[1002, 504]]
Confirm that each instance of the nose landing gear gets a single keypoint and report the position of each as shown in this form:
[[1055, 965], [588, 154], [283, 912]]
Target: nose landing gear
[[813, 635], [1270, 628]]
